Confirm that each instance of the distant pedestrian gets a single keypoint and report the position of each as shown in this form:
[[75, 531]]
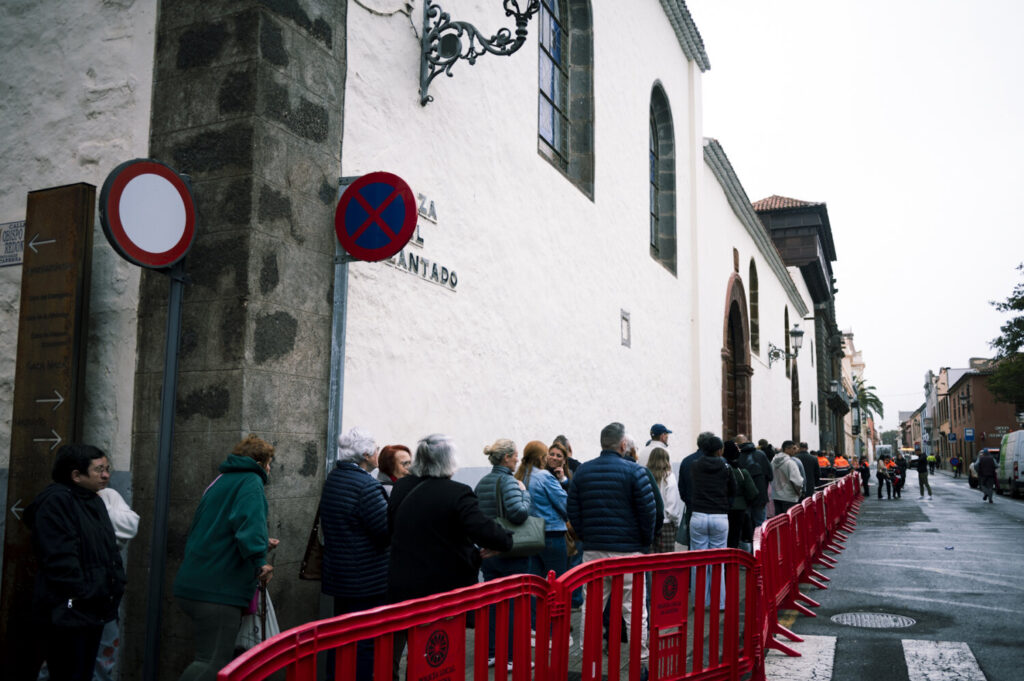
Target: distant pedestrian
[[986, 469], [883, 477], [80, 577], [954, 463], [865, 475], [789, 482], [611, 507], [922, 476], [931, 463]]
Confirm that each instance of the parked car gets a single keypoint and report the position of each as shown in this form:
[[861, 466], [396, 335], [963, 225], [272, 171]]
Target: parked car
[[1011, 462], [972, 473]]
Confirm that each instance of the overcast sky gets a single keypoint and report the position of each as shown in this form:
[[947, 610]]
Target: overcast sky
[[906, 117]]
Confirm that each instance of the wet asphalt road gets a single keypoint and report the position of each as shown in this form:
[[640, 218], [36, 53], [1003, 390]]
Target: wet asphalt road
[[953, 563]]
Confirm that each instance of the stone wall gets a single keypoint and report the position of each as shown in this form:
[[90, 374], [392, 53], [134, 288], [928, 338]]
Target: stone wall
[[248, 100]]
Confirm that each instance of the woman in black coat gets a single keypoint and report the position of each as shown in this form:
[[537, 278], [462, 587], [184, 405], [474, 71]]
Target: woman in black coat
[[436, 526]]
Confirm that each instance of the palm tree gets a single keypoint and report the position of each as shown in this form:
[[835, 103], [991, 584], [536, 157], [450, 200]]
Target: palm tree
[[869, 402]]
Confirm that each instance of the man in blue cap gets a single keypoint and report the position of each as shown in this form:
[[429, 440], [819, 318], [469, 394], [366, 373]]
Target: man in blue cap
[[659, 438]]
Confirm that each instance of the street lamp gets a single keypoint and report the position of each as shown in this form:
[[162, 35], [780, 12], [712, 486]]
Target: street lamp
[[776, 354], [442, 44]]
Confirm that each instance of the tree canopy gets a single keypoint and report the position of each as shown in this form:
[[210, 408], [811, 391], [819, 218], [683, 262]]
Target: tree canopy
[[1007, 383], [870, 405]]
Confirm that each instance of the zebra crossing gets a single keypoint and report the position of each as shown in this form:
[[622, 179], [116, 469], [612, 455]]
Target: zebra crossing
[[925, 661]]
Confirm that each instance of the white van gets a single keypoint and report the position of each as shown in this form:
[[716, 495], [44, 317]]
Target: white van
[[1011, 462]]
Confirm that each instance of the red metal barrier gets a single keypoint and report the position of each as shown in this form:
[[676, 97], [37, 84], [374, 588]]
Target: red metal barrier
[[436, 628], [689, 638], [718, 639]]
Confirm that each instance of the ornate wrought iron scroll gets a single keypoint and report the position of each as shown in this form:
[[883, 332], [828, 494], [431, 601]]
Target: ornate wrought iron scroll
[[447, 41]]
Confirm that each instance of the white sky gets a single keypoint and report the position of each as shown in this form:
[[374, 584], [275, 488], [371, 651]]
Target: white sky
[[906, 117]]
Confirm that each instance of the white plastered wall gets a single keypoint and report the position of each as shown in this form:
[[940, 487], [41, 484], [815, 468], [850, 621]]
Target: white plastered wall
[[528, 346], [77, 81], [770, 404]]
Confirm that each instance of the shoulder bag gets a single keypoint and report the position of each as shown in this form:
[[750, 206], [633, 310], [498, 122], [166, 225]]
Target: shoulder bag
[[313, 559], [527, 538]]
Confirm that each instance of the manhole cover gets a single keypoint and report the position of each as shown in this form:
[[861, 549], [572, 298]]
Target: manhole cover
[[873, 620]]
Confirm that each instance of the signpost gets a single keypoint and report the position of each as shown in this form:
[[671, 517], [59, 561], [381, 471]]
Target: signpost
[[149, 218], [968, 434], [48, 382]]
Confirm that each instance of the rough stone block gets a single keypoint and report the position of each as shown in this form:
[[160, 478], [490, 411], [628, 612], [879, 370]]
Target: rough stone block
[[285, 403]]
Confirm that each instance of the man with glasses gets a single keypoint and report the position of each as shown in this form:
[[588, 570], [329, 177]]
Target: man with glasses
[[81, 577]]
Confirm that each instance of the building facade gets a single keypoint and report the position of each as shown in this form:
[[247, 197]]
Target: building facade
[[583, 254]]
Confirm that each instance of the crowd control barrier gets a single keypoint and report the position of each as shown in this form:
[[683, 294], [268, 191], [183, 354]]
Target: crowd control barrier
[[713, 614]]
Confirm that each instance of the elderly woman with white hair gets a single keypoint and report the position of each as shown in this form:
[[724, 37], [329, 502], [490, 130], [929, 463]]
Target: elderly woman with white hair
[[436, 525], [354, 519]]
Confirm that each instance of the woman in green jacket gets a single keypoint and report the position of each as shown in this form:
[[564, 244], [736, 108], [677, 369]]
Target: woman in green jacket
[[226, 556]]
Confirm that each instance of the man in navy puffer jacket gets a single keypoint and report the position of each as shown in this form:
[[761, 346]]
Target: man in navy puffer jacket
[[612, 509]]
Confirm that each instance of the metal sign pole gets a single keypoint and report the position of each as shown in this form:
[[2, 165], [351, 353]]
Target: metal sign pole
[[158, 550]]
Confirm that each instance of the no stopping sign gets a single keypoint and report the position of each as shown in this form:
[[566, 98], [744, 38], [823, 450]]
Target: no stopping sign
[[147, 213]]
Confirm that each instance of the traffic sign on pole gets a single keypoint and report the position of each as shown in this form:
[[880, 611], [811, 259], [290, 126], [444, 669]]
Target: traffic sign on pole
[[376, 217], [147, 213], [968, 434]]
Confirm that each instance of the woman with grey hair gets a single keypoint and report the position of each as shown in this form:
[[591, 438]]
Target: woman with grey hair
[[354, 519], [436, 526]]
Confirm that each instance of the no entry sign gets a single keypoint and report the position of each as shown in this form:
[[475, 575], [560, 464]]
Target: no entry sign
[[147, 213], [376, 216]]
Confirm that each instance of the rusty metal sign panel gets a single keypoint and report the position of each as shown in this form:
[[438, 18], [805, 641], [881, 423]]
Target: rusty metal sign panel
[[50, 372]]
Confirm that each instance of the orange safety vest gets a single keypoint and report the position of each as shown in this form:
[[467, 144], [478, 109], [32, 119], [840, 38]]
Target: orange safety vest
[[841, 462], [823, 462], [890, 464]]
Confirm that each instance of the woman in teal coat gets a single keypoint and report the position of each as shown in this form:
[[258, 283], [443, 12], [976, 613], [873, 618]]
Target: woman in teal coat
[[226, 556]]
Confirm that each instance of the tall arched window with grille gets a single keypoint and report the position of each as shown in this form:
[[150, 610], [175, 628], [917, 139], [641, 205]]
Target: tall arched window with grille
[[565, 100], [755, 326], [662, 180]]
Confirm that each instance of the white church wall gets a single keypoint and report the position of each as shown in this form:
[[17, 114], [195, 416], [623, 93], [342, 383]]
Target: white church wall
[[78, 82]]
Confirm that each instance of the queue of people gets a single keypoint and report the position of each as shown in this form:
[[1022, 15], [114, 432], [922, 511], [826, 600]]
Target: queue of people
[[394, 526]]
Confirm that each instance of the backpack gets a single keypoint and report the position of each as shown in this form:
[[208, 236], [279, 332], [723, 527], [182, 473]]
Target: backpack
[[760, 477]]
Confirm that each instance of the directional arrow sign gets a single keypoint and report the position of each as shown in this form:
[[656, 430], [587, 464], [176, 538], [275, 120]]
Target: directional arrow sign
[[55, 439], [16, 510], [59, 400], [36, 242]]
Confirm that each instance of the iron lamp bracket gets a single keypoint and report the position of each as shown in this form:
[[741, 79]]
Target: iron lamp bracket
[[445, 41]]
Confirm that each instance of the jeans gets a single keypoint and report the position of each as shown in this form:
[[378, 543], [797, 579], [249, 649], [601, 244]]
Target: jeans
[[577, 595], [496, 567], [758, 514], [215, 628], [710, 531], [553, 557]]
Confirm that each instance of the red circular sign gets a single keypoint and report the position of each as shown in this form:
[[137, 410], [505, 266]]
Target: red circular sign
[[147, 213], [376, 216]]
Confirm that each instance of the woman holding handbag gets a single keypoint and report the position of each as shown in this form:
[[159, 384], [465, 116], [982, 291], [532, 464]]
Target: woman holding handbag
[[547, 501], [515, 502]]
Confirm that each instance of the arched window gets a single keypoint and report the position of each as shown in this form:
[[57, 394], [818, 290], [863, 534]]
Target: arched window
[[565, 101], [755, 329], [785, 334], [662, 172]]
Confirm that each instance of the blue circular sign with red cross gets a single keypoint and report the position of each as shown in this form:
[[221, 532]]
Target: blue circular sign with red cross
[[376, 216]]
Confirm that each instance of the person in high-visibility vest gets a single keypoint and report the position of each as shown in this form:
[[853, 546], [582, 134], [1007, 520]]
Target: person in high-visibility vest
[[824, 466], [841, 465]]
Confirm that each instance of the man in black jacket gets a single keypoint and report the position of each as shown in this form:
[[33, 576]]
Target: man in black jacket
[[756, 463], [81, 578], [922, 475], [986, 468], [810, 462]]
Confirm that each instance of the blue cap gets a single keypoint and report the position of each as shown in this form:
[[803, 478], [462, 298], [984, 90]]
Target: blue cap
[[657, 429]]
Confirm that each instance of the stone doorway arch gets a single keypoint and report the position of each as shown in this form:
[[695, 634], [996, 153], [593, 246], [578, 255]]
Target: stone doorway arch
[[736, 369]]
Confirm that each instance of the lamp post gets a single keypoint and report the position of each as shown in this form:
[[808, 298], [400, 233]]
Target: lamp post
[[775, 354], [442, 44]]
